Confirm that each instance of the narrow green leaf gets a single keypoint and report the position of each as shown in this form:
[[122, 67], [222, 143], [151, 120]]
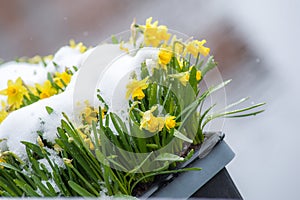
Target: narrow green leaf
[[114, 40], [168, 157], [80, 190], [49, 110], [210, 64], [26, 188], [182, 137], [152, 146]]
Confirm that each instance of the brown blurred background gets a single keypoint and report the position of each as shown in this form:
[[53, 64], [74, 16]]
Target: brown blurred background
[[256, 43]]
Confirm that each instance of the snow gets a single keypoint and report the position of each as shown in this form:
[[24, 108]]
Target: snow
[[118, 73], [30, 73], [54, 158], [24, 124], [66, 57]]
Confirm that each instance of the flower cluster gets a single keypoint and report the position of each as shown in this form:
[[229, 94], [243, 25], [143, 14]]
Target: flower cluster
[[20, 94]]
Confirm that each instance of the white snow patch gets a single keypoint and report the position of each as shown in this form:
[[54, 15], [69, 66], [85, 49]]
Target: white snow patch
[[30, 74], [23, 124], [67, 57], [115, 78]]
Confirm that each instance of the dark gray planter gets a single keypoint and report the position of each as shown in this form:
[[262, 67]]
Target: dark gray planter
[[184, 185]]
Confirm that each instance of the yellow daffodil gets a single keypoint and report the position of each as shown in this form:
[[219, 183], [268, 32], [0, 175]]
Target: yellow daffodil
[[86, 139], [3, 112], [194, 47], [35, 60], [46, 90], [90, 114], [78, 46], [164, 57], [48, 58], [135, 88], [153, 34], [152, 123], [170, 122], [33, 90], [72, 44], [62, 78], [183, 77], [15, 93], [198, 74]]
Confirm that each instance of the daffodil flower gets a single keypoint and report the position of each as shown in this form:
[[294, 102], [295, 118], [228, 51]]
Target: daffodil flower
[[15, 93], [91, 115], [164, 57], [78, 46], [62, 79], [151, 123], [35, 60], [194, 47], [198, 74], [183, 77], [135, 88], [170, 122], [154, 34], [46, 90]]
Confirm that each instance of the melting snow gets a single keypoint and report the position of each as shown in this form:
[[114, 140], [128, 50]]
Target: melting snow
[[24, 124]]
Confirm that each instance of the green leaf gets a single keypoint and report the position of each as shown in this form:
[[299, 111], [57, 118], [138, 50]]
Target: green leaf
[[46, 192], [49, 110], [193, 79], [152, 146], [168, 157], [182, 137], [9, 166], [26, 188], [210, 64], [114, 40], [80, 190]]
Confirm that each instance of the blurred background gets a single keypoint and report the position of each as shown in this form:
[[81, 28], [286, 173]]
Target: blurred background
[[256, 43]]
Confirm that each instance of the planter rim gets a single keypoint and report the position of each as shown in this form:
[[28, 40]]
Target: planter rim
[[187, 183]]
